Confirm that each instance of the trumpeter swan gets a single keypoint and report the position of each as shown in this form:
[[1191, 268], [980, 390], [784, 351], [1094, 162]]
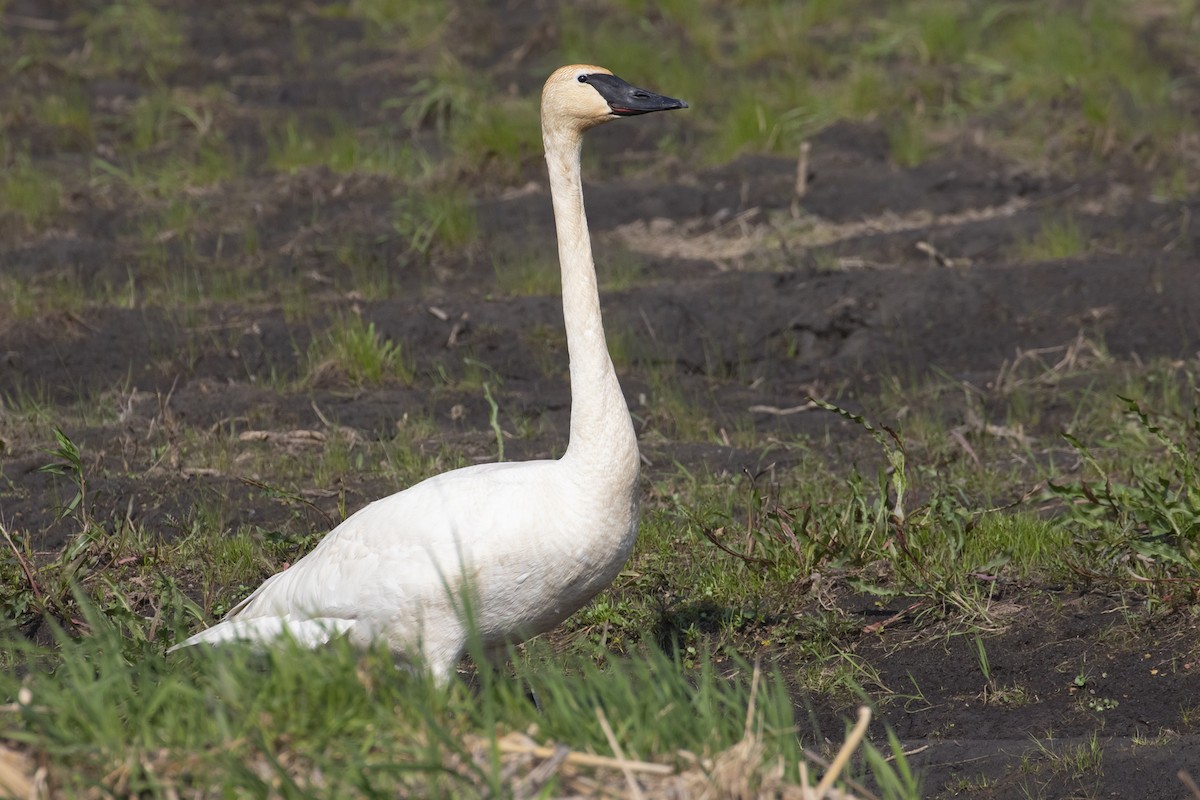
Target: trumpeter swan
[[522, 545]]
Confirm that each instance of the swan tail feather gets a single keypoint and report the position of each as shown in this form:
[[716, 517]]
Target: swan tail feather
[[262, 631]]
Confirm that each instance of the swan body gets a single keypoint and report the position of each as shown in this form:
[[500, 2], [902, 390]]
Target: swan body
[[511, 549]]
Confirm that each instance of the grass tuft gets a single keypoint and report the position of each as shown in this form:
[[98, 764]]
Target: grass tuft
[[526, 271], [135, 37], [354, 349], [1057, 239], [29, 194], [435, 219]]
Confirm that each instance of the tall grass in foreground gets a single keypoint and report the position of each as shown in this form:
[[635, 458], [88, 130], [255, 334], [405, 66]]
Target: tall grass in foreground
[[110, 714]]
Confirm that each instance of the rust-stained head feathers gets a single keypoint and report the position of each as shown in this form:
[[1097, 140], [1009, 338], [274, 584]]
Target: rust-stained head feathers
[[580, 96]]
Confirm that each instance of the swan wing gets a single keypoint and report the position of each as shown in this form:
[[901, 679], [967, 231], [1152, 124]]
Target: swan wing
[[397, 566]]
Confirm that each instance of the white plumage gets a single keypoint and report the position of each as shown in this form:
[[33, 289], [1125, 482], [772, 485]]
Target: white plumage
[[523, 545]]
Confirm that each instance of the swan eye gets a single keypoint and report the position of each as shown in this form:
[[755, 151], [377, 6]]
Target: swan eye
[[582, 78]]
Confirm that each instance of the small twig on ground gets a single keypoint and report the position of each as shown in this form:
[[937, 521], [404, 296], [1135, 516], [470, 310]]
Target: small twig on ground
[[324, 420], [753, 698], [33, 584], [802, 169], [80, 321], [457, 330], [164, 407], [876, 627], [941, 258], [511, 744], [782, 412], [962, 442], [649, 326], [15, 777], [257, 484], [848, 748], [634, 788], [300, 437], [907, 753], [711, 536], [1189, 783], [532, 784], [820, 762], [216, 427], [801, 186], [1037, 487]]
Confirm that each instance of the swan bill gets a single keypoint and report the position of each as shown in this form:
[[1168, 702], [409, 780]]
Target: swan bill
[[627, 100]]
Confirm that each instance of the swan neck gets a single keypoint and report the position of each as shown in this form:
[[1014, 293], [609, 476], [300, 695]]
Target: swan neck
[[601, 430]]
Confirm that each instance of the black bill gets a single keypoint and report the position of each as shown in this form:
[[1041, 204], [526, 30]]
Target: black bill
[[627, 100]]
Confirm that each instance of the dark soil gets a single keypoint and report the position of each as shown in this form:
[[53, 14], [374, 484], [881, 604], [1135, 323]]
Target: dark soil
[[1070, 674], [782, 319]]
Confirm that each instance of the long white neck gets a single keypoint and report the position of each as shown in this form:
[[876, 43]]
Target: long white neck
[[602, 437]]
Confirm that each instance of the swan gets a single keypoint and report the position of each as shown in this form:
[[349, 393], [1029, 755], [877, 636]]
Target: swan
[[511, 548]]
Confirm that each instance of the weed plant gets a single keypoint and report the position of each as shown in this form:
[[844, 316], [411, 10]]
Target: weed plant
[[1143, 520]]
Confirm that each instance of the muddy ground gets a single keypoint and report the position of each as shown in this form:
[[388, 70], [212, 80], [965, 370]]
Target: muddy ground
[[875, 272]]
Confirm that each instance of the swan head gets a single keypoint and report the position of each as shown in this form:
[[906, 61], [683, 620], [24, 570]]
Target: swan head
[[581, 96]]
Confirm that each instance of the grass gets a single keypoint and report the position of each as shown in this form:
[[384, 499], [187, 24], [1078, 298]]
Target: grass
[[1149, 515], [412, 21], [238, 722], [372, 268], [935, 547], [673, 410], [134, 38], [442, 218], [1057, 239], [500, 135], [526, 271], [118, 715], [69, 113], [353, 348], [717, 571], [56, 293], [620, 271], [29, 194], [1106, 93], [341, 149]]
